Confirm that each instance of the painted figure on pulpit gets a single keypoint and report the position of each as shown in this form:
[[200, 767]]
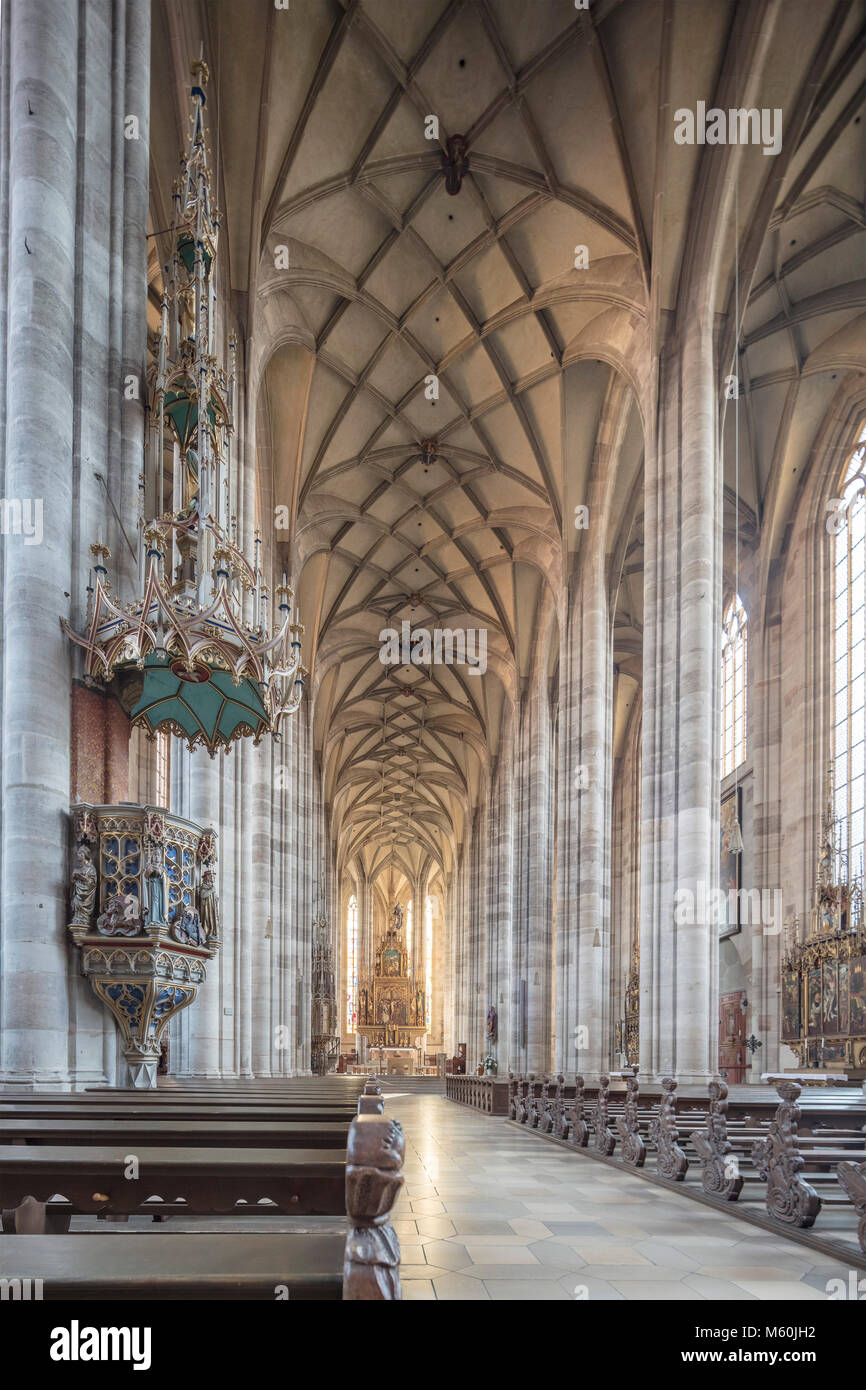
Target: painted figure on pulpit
[[209, 905], [154, 879], [121, 916], [188, 928], [84, 879]]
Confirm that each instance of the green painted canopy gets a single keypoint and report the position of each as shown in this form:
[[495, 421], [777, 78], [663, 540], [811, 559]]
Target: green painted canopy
[[209, 709], [186, 251], [181, 407]]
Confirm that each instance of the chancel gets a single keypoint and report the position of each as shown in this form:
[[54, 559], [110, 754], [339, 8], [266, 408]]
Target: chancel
[[433, 650], [392, 1011]]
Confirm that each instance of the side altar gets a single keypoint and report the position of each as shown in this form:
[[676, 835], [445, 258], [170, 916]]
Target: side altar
[[823, 982], [144, 917], [392, 1006]]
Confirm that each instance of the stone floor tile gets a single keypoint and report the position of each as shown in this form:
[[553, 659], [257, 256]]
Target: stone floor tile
[[491, 1254], [418, 1290], [456, 1287], [512, 1290], [658, 1291]]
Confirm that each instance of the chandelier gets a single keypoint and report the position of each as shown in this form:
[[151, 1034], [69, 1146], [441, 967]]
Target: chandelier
[[213, 663]]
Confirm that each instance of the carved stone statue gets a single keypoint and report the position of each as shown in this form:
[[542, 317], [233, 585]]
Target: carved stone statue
[[373, 1179], [209, 905], [84, 880], [154, 880], [397, 923], [491, 1023], [121, 916], [187, 927]]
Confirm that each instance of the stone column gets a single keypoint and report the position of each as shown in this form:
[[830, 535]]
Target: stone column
[[205, 1015], [260, 907], [584, 900], [680, 779], [533, 961], [41, 119]]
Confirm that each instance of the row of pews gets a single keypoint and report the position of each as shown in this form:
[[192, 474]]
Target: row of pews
[[797, 1167], [321, 1155]]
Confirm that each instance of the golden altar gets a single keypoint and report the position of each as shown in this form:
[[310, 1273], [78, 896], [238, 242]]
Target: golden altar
[[392, 1007], [823, 982]]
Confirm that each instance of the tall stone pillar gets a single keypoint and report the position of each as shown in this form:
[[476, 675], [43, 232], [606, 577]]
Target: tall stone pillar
[[41, 119], [260, 908], [583, 917], [73, 199], [205, 1024], [680, 778], [534, 909]]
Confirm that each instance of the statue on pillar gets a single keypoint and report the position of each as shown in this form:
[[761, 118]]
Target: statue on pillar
[[154, 879], [84, 880], [209, 904]]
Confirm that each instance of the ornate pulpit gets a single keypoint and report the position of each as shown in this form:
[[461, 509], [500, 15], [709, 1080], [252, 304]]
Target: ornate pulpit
[[145, 919]]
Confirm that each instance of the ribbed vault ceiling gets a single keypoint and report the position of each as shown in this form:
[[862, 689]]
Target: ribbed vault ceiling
[[320, 112]]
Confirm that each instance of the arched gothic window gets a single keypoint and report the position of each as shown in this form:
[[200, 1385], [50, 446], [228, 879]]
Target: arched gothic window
[[163, 768], [408, 935], [351, 965], [735, 638], [428, 956], [848, 521]]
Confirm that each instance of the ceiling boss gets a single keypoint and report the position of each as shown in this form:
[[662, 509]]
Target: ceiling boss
[[217, 665]]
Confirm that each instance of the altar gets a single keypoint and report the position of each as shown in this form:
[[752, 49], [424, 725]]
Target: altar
[[392, 1007], [395, 1061]]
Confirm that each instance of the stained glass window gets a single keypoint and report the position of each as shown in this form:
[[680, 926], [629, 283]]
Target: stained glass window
[[848, 520], [352, 965], [734, 677], [409, 935], [163, 767], [428, 956]]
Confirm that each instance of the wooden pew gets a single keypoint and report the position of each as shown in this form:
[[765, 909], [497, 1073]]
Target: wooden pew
[[159, 1114], [852, 1180], [362, 1265], [370, 1102], [196, 1133], [209, 1180], [136, 1132]]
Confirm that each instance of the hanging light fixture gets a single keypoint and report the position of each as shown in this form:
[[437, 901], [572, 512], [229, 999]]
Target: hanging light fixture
[[214, 665]]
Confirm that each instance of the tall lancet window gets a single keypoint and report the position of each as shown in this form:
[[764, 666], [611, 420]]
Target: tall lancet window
[[352, 965], [735, 640], [428, 957], [409, 935], [849, 640], [163, 768]]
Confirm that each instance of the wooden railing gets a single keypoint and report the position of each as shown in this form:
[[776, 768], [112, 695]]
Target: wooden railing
[[489, 1094]]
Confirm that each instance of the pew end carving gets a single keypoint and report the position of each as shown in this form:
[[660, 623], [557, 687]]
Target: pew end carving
[[605, 1139], [632, 1146], [720, 1169], [778, 1160], [852, 1180], [671, 1162], [374, 1176]]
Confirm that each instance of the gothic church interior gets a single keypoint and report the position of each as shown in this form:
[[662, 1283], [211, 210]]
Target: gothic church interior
[[433, 578]]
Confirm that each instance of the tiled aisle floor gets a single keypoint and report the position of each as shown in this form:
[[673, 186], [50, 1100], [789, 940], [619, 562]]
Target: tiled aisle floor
[[490, 1213]]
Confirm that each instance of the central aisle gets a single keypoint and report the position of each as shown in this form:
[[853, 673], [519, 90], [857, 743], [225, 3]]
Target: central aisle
[[490, 1213]]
